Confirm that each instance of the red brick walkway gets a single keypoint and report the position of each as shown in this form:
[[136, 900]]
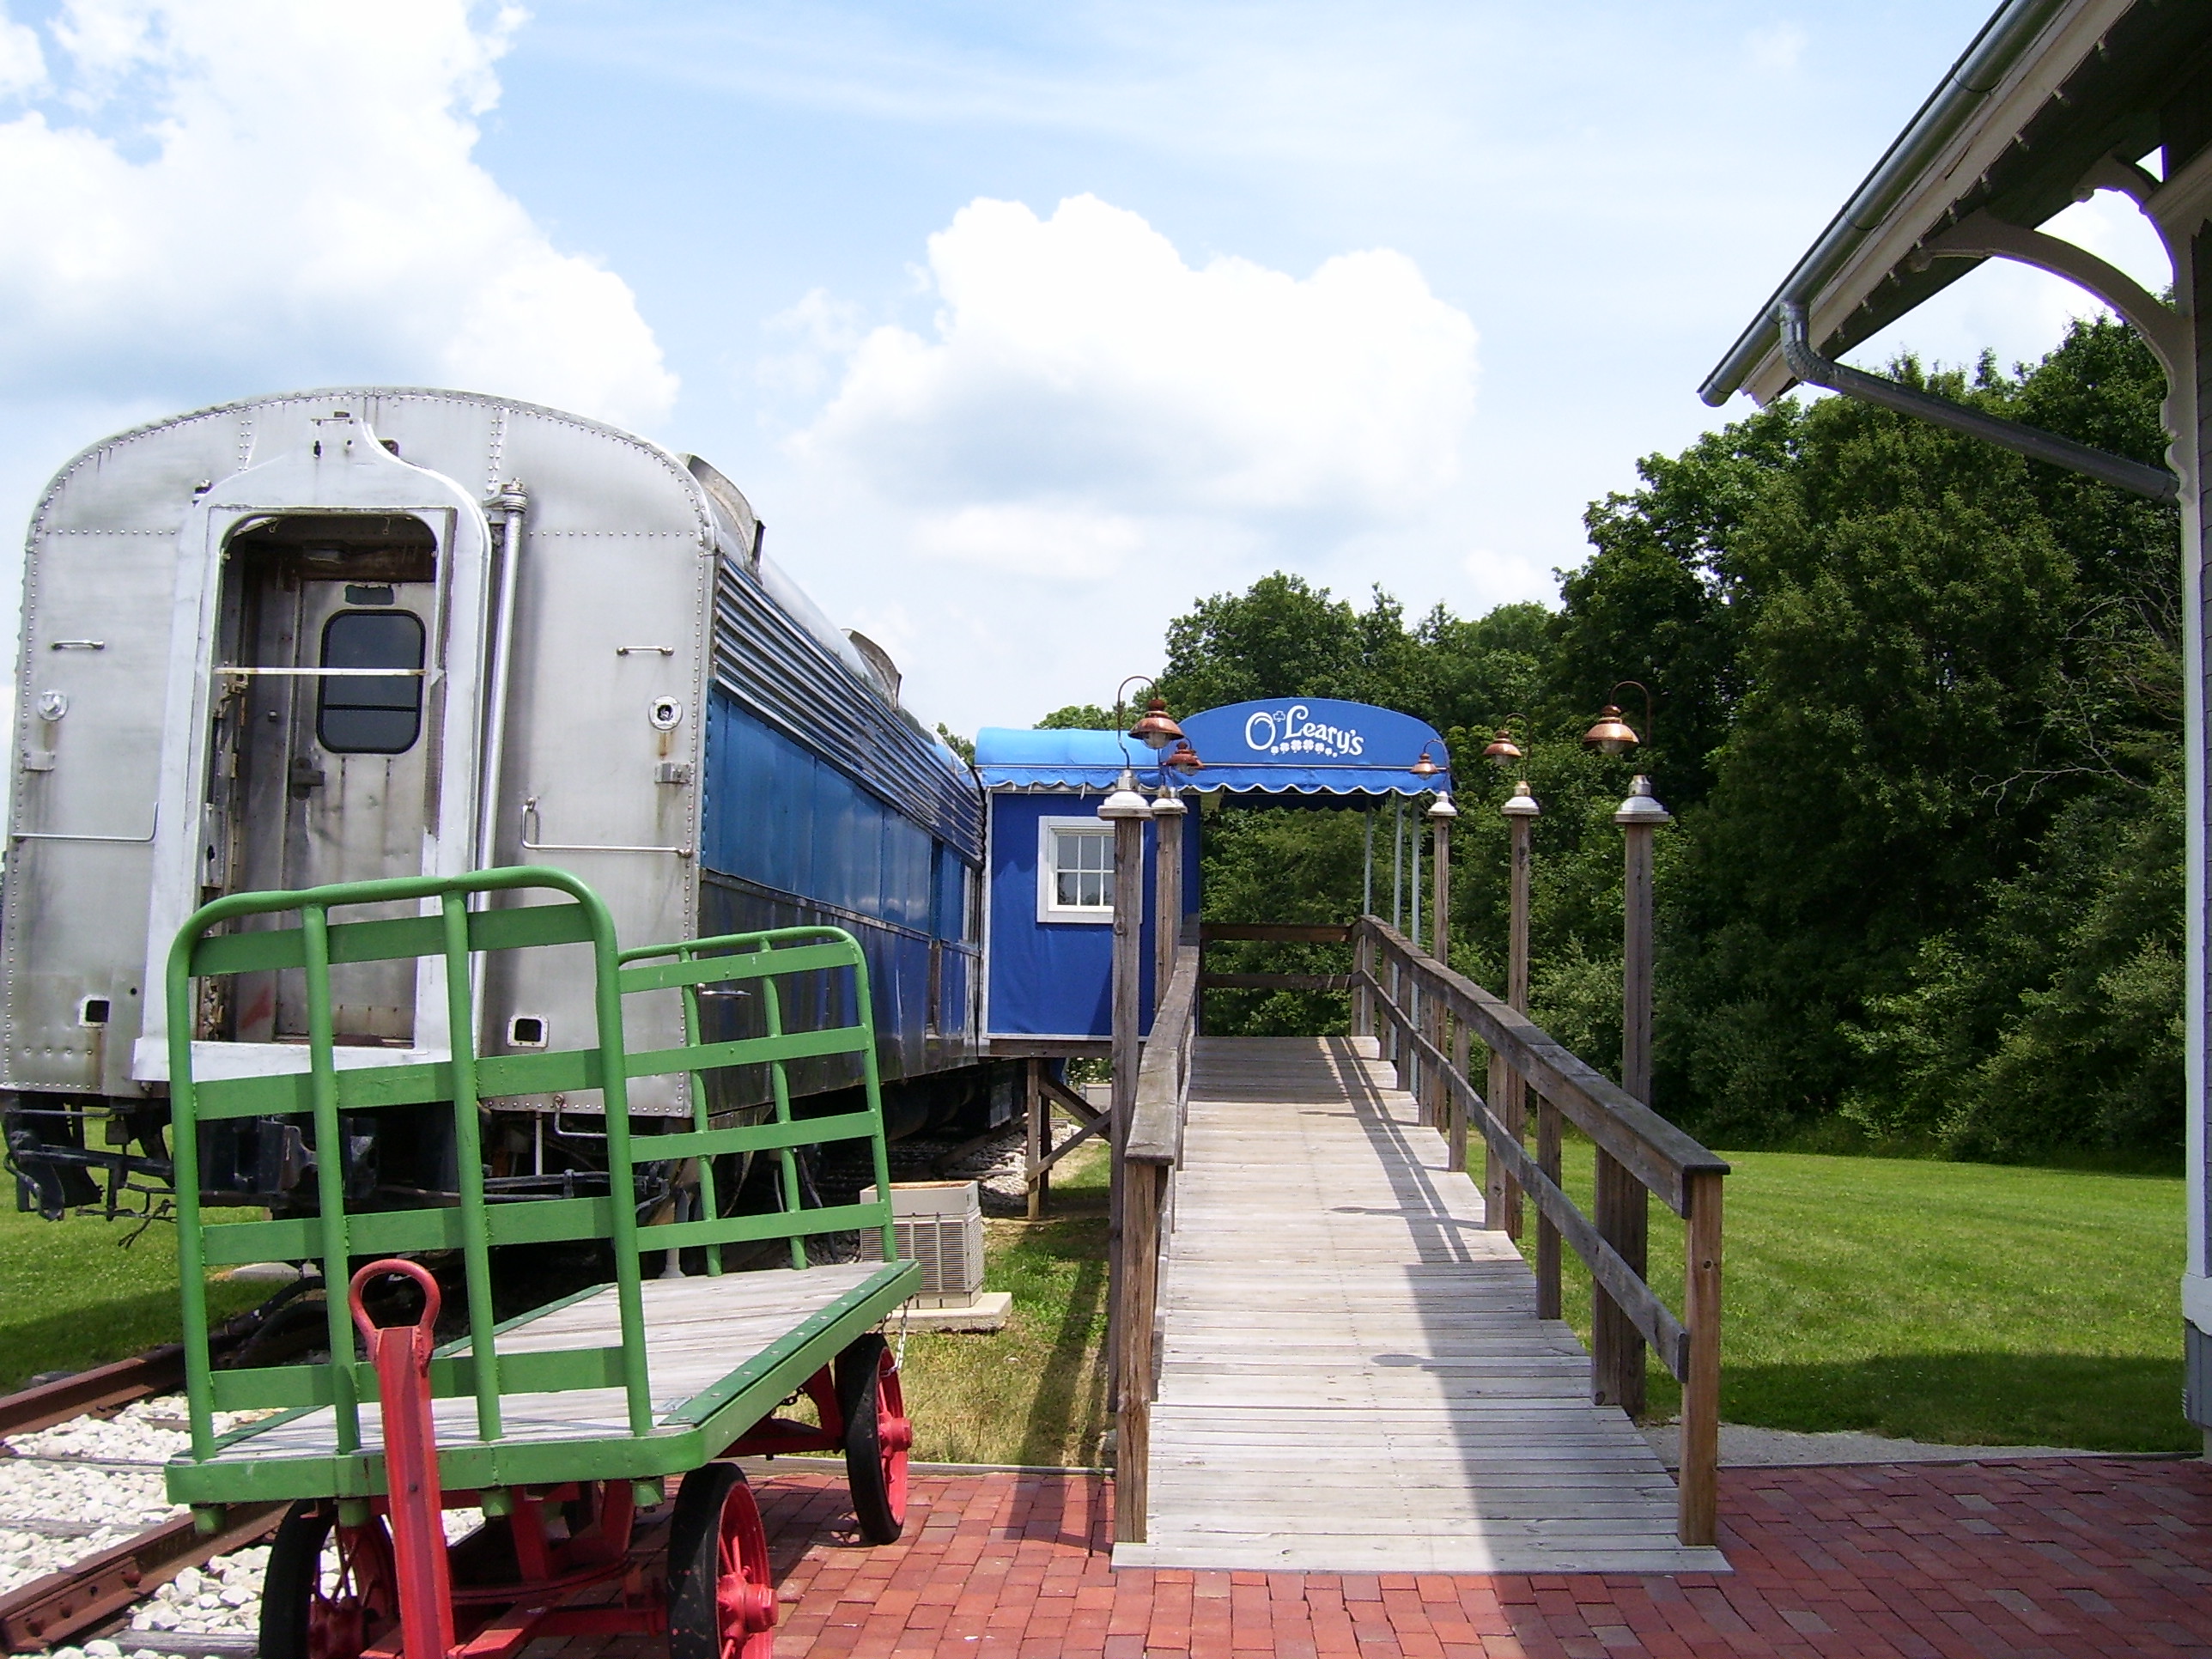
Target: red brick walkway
[[2080, 1557]]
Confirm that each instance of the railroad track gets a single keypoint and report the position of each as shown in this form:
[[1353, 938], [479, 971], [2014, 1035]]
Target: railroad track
[[99, 1392], [48, 1611], [78, 1599]]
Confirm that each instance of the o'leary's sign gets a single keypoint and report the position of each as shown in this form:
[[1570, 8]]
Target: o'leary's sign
[[1311, 743], [1292, 730]]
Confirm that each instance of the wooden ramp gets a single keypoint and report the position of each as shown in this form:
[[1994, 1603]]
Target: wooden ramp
[[1353, 1378]]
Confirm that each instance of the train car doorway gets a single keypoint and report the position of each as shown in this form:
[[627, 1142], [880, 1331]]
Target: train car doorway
[[319, 758]]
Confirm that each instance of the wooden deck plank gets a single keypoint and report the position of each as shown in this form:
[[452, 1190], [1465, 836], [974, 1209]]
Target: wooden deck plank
[[1352, 1377]]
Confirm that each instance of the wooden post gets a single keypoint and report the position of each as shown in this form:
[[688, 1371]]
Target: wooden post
[[1137, 1293], [1513, 1104], [1168, 813], [1624, 1208], [1363, 1000], [1456, 1139], [1039, 1134], [1494, 1181], [1126, 810], [1699, 1522], [1438, 1026], [1547, 1232]]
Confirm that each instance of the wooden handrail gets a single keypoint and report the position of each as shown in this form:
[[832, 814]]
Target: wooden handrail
[[1659, 1154], [1277, 932], [1663, 1158], [1163, 1083], [1150, 1153]]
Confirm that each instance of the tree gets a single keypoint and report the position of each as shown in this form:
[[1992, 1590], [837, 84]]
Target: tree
[[1077, 717]]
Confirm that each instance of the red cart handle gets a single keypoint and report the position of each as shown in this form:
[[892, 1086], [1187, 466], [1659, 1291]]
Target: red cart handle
[[414, 1270], [401, 1354]]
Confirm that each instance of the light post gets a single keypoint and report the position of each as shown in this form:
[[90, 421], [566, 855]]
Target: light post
[[1442, 1104], [1168, 812], [1507, 1088], [1126, 809], [1624, 1209]]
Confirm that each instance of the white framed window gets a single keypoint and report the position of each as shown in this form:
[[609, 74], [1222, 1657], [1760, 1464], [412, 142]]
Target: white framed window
[[1075, 870]]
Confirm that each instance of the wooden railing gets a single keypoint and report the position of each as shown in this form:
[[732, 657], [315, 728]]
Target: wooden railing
[[1430, 1011], [1151, 1155]]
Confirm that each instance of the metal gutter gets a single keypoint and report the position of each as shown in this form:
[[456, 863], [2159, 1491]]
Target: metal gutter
[[1953, 103], [1809, 366]]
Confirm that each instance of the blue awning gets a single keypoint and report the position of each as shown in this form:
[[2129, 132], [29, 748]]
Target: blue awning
[[1008, 757], [1303, 745]]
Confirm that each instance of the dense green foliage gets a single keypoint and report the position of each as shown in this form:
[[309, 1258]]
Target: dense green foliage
[[1915, 701]]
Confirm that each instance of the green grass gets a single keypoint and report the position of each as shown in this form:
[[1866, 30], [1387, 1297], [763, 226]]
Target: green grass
[[1961, 1303], [74, 1294], [1034, 1393]]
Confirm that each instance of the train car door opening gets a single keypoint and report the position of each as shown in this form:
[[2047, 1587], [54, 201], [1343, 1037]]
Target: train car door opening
[[319, 751], [323, 722]]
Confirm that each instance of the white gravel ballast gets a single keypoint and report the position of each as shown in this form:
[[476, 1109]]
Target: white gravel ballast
[[89, 1483]]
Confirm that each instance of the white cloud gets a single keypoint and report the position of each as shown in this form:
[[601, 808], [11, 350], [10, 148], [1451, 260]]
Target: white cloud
[[237, 195], [22, 64], [1092, 430], [1079, 368]]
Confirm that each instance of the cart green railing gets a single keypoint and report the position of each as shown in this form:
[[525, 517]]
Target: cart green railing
[[779, 1332]]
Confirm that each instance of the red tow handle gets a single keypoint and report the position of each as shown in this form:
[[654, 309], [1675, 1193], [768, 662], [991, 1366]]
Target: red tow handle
[[401, 1354]]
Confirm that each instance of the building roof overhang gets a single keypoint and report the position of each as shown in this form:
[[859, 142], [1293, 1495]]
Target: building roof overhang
[[2052, 101]]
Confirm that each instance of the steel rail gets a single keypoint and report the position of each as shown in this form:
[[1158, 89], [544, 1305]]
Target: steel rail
[[44, 1612]]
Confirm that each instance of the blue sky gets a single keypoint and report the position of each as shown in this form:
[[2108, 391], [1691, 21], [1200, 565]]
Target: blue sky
[[1022, 326]]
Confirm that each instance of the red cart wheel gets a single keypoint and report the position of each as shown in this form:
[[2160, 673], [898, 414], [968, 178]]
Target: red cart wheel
[[877, 1437], [331, 1592], [721, 1599]]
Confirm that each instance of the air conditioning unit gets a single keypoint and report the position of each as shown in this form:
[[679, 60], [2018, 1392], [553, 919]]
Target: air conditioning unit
[[939, 1224]]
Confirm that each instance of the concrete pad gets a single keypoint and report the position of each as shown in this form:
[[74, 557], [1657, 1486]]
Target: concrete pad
[[989, 1311]]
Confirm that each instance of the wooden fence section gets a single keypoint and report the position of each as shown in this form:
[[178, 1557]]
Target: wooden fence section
[[1271, 932], [1150, 1154], [1419, 997]]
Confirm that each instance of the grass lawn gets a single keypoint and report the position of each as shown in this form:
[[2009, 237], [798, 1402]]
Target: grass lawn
[[1964, 1303], [73, 1294]]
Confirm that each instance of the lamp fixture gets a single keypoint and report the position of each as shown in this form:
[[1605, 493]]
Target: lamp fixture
[[1612, 734], [1154, 728]]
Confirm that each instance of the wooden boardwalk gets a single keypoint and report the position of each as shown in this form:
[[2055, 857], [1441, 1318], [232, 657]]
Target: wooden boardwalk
[[1353, 1375]]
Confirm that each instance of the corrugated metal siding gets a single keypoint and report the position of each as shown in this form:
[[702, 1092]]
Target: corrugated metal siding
[[782, 674]]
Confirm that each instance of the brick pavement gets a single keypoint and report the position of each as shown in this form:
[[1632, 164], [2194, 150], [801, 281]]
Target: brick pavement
[[2080, 1557]]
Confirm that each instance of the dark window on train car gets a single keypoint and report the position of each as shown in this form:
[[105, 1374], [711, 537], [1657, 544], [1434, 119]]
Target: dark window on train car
[[378, 714]]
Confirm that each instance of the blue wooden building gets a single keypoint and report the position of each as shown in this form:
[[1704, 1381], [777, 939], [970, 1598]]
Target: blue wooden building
[[1048, 887]]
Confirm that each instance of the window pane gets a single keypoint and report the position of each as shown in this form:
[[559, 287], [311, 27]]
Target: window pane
[[1083, 869], [370, 714]]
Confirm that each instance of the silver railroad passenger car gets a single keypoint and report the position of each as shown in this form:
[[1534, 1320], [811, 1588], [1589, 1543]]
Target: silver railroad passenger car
[[344, 634]]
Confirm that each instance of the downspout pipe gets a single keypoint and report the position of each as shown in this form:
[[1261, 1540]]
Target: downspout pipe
[[1809, 366]]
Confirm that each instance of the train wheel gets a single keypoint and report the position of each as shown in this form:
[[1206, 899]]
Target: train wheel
[[876, 1436], [721, 1598], [331, 1592]]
